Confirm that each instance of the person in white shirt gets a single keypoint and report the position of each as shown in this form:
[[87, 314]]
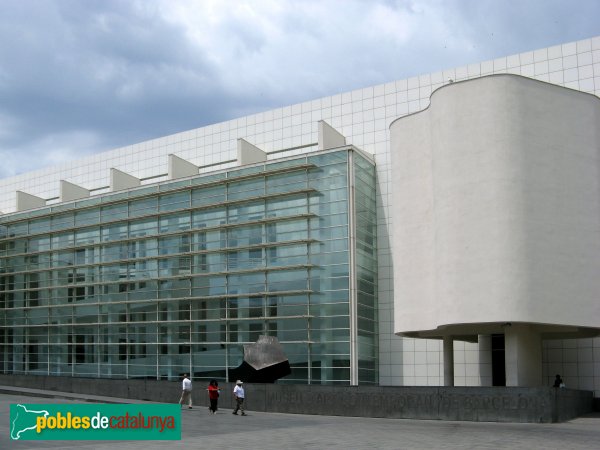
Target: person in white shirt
[[186, 394], [239, 394]]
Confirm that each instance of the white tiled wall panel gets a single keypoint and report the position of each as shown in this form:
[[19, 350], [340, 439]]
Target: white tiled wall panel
[[363, 116]]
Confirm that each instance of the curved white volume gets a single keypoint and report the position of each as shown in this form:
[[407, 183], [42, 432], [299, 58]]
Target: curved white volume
[[496, 215]]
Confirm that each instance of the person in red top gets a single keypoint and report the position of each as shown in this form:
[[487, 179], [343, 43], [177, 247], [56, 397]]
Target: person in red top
[[213, 395]]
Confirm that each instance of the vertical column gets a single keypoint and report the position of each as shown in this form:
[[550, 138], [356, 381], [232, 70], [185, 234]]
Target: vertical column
[[172, 355], [523, 347], [352, 275], [98, 348], [448, 361], [484, 348]]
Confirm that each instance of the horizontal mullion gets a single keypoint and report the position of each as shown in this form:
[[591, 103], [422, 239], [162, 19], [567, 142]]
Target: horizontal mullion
[[172, 277], [223, 181], [158, 323], [160, 257], [155, 300], [157, 215], [169, 234]]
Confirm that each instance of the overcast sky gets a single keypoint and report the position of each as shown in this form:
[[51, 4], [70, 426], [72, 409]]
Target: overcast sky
[[83, 76]]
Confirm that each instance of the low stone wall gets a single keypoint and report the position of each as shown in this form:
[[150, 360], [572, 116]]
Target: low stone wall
[[482, 404], [479, 404]]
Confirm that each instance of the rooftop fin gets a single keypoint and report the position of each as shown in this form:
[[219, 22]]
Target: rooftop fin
[[27, 201], [248, 153], [120, 180], [70, 191], [329, 137], [180, 168]]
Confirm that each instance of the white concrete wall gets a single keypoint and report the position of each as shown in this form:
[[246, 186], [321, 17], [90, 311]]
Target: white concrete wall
[[523, 356], [248, 153], [497, 207], [120, 180], [363, 116]]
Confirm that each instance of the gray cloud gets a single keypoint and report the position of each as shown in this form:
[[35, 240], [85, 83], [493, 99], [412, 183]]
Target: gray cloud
[[80, 77]]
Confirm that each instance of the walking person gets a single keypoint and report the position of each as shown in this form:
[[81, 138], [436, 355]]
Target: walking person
[[558, 382], [213, 396], [239, 394], [186, 393]]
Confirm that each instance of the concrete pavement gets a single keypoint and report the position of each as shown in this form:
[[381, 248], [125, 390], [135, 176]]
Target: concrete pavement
[[291, 431]]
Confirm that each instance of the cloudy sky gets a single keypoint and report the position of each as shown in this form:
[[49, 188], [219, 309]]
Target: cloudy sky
[[83, 76]]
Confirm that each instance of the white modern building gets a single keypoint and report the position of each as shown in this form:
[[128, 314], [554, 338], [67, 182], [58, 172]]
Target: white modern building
[[497, 221], [487, 209]]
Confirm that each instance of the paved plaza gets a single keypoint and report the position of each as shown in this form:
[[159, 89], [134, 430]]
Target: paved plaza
[[291, 431]]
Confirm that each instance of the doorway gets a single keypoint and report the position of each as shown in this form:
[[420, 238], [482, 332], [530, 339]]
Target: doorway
[[498, 361]]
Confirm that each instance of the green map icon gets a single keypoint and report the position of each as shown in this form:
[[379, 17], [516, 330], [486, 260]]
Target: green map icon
[[24, 419]]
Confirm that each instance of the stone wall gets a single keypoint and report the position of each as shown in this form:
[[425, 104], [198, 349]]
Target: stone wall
[[480, 404]]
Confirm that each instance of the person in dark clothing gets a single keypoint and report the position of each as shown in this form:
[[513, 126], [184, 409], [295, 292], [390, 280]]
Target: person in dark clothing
[[558, 381], [213, 396]]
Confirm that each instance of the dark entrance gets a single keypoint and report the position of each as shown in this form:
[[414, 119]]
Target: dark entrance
[[498, 361]]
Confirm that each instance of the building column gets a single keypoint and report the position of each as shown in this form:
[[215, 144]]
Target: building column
[[523, 350], [448, 361], [484, 346]]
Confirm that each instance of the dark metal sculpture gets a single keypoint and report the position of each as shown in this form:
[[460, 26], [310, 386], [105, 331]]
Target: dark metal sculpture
[[264, 362]]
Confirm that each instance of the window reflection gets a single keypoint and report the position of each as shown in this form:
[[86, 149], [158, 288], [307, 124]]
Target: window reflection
[[179, 278]]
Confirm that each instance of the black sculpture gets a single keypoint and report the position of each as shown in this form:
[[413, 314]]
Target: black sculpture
[[264, 362]]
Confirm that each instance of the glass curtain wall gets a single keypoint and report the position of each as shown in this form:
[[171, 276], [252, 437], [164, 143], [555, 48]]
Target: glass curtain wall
[[365, 208], [177, 277]]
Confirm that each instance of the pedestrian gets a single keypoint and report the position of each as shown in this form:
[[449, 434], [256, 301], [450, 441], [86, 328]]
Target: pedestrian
[[239, 394], [186, 393], [558, 382], [213, 396]]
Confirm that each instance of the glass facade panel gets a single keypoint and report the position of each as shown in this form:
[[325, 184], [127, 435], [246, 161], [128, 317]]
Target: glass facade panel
[[366, 269], [208, 195], [177, 277], [113, 212]]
